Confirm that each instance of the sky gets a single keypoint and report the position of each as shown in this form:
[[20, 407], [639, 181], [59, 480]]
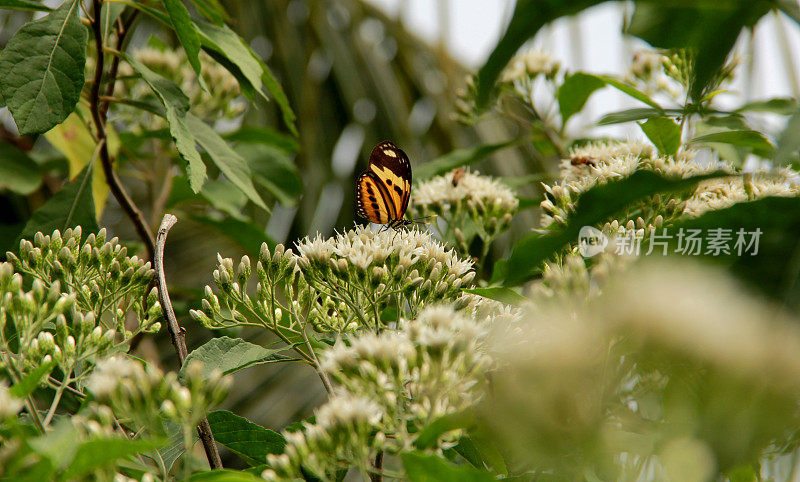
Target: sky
[[476, 25]]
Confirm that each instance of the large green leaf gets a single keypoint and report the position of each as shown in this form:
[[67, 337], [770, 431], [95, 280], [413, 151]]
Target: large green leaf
[[772, 267], [186, 32], [574, 92], [789, 141], [73, 205], [421, 467], [103, 452], [212, 10], [227, 43], [594, 207], [24, 5], [227, 160], [499, 293], [780, 105], [274, 170], [176, 105], [29, 382], [251, 441], [42, 69], [529, 16], [743, 138], [430, 434], [629, 115], [18, 172], [458, 158], [708, 27], [229, 355], [664, 133]]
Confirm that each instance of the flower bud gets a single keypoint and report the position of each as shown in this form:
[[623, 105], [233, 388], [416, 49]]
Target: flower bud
[[264, 254]]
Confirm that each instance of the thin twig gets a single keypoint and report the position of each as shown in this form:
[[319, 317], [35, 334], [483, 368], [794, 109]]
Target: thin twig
[[178, 334], [114, 183], [122, 33], [377, 476]]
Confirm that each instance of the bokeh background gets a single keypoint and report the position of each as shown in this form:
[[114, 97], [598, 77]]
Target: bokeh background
[[358, 72]]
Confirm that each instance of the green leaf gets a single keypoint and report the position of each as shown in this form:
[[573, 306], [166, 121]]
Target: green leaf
[[594, 206], [29, 382], [754, 140], [529, 16], [246, 233], [212, 10], [249, 440], [24, 5], [499, 293], [783, 106], [630, 90], [227, 160], [226, 42], [98, 453], [176, 105], [421, 467], [175, 445], [225, 475], [629, 115], [109, 13], [42, 69], [789, 141], [18, 172], [774, 270], [664, 133], [265, 135], [73, 205], [430, 434], [707, 27], [574, 92], [458, 158], [229, 355], [186, 32], [274, 170]]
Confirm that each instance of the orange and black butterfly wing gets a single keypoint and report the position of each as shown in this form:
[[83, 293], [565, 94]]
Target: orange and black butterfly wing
[[392, 167], [372, 199]]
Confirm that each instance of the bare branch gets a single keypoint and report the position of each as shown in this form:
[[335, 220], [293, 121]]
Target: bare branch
[[178, 334]]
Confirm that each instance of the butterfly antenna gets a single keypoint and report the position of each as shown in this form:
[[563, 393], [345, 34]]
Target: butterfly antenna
[[424, 220]]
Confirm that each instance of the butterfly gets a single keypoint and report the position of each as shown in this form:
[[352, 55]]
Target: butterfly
[[383, 190]]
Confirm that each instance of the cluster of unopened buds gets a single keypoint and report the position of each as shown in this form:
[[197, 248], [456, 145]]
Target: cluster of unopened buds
[[461, 200], [337, 285], [147, 395]]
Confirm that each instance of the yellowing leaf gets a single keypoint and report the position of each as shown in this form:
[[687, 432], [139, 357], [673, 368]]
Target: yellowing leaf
[[73, 139]]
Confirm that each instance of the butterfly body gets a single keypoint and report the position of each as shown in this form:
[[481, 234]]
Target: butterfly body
[[384, 189]]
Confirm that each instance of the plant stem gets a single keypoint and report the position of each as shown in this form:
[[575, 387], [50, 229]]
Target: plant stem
[[178, 334], [377, 476], [56, 400], [99, 118]]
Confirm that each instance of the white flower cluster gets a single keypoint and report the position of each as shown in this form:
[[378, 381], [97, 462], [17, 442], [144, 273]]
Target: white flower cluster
[[147, 395], [9, 405], [340, 284], [390, 386], [601, 162], [464, 199], [529, 65]]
